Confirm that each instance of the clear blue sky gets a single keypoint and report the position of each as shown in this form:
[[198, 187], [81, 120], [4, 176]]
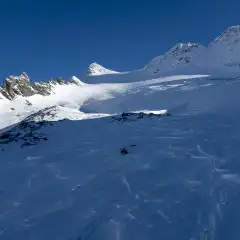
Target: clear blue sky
[[51, 38]]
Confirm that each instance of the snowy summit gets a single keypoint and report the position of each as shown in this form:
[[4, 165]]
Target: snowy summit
[[95, 69]]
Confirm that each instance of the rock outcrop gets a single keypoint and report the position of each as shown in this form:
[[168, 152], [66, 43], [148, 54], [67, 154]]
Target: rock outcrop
[[17, 85], [27, 132], [20, 86]]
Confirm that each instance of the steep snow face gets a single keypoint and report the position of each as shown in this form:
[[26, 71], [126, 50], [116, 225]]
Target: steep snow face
[[180, 56], [96, 70], [77, 81]]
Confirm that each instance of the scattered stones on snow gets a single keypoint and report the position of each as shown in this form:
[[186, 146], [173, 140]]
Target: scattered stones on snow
[[27, 131], [124, 151], [133, 116], [28, 103]]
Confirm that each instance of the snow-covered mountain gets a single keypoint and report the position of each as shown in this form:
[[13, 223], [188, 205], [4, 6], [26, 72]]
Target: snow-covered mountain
[[96, 70], [220, 57], [152, 153], [223, 53], [177, 58]]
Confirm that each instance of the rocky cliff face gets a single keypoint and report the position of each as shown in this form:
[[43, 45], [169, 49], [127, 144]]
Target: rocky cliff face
[[20, 86], [17, 85]]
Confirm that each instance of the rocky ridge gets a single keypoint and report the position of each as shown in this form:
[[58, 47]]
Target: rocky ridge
[[21, 86]]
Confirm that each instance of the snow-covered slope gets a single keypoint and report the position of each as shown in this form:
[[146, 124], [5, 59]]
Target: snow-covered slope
[[132, 175], [223, 53], [96, 70], [152, 154], [78, 99], [179, 57]]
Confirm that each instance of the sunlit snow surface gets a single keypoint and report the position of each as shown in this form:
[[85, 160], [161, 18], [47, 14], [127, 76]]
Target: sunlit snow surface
[[71, 98], [179, 180]]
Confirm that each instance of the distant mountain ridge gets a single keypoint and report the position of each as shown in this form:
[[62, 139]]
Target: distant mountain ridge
[[220, 55]]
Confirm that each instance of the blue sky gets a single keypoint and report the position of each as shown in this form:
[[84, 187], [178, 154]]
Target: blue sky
[[51, 38]]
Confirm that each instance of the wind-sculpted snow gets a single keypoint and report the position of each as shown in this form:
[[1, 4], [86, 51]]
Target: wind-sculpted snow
[[177, 179], [69, 98]]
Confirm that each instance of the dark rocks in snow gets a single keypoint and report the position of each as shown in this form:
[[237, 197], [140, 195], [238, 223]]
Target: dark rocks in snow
[[27, 131], [20, 86], [7, 137], [131, 116], [28, 103], [124, 151]]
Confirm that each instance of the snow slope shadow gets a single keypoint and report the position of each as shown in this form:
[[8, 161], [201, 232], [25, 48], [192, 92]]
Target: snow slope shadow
[[28, 131], [178, 180]]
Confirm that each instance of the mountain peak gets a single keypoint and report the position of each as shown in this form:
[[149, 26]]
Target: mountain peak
[[181, 55], [182, 48], [230, 33], [17, 85], [233, 29], [96, 69], [77, 81], [95, 65]]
